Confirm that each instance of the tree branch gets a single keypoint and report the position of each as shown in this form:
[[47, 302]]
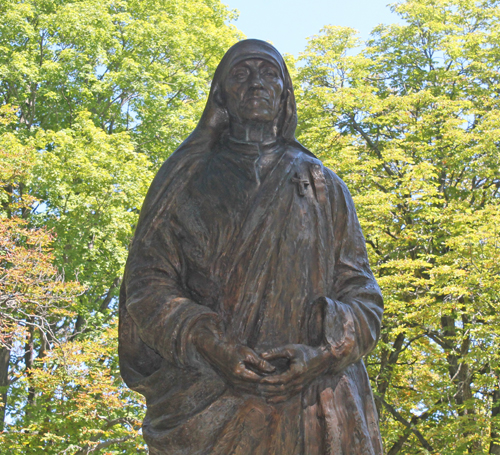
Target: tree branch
[[409, 425]]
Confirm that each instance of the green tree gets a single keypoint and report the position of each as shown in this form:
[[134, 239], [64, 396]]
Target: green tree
[[85, 408], [103, 92], [411, 122]]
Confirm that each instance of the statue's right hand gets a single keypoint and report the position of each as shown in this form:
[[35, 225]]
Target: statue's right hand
[[239, 365]]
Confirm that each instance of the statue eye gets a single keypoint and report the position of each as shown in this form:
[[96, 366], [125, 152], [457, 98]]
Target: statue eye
[[240, 74], [269, 72]]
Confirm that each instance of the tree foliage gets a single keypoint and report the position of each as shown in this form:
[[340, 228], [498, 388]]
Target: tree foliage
[[411, 122], [90, 410], [95, 95]]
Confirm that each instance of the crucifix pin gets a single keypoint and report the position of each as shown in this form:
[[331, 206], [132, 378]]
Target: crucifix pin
[[301, 182]]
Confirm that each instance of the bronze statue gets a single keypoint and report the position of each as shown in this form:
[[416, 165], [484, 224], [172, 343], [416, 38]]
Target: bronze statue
[[248, 302]]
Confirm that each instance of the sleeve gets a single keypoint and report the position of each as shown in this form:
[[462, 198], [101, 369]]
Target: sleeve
[[352, 317], [157, 301]]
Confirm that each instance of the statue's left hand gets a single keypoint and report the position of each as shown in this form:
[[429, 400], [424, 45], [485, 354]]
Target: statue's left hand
[[306, 363]]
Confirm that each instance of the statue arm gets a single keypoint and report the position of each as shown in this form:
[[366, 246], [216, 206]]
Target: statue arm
[[352, 319], [182, 331], [157, 302]]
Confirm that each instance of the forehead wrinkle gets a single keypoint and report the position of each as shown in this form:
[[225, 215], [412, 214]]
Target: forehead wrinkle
[[237, 59], [264, 61]]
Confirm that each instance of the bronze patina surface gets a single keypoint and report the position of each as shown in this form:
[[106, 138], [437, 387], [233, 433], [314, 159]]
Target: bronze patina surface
[[248, 301]]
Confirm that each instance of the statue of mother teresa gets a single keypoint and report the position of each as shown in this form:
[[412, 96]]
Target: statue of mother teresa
[[248, 302]]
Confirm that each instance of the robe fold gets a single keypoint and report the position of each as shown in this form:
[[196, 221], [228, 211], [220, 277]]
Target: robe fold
[[257, 240]]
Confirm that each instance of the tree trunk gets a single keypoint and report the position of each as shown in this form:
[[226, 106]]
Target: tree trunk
[[387, 364], [398, 445], [461, 376], [4, 383], [29, 356], [495, 427]]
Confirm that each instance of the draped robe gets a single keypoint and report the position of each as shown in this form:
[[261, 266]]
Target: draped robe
[[256, 240]]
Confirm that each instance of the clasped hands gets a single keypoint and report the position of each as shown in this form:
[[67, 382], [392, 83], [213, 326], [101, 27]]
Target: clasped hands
[[255, 373]]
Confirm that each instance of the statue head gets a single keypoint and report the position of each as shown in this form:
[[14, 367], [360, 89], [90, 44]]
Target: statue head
[[251, 83]]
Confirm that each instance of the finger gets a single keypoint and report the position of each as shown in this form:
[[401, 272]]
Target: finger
[[284, 396], [297, 380], [259, 363], [246, 387], [279, 378], [271, 390], [278, 398], [283, 389], [247, 375], [310, 396], [277, 353]]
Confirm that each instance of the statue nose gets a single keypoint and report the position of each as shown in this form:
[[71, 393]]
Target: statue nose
[[256, 81]]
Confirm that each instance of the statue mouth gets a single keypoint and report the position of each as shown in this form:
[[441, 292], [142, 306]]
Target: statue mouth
[[257, 98], [257, 94]]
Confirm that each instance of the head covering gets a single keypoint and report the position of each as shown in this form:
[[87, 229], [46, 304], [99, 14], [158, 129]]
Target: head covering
[[214, 122]]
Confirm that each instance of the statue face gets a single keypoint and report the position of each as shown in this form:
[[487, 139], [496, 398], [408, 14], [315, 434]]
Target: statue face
[[253, 90]]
